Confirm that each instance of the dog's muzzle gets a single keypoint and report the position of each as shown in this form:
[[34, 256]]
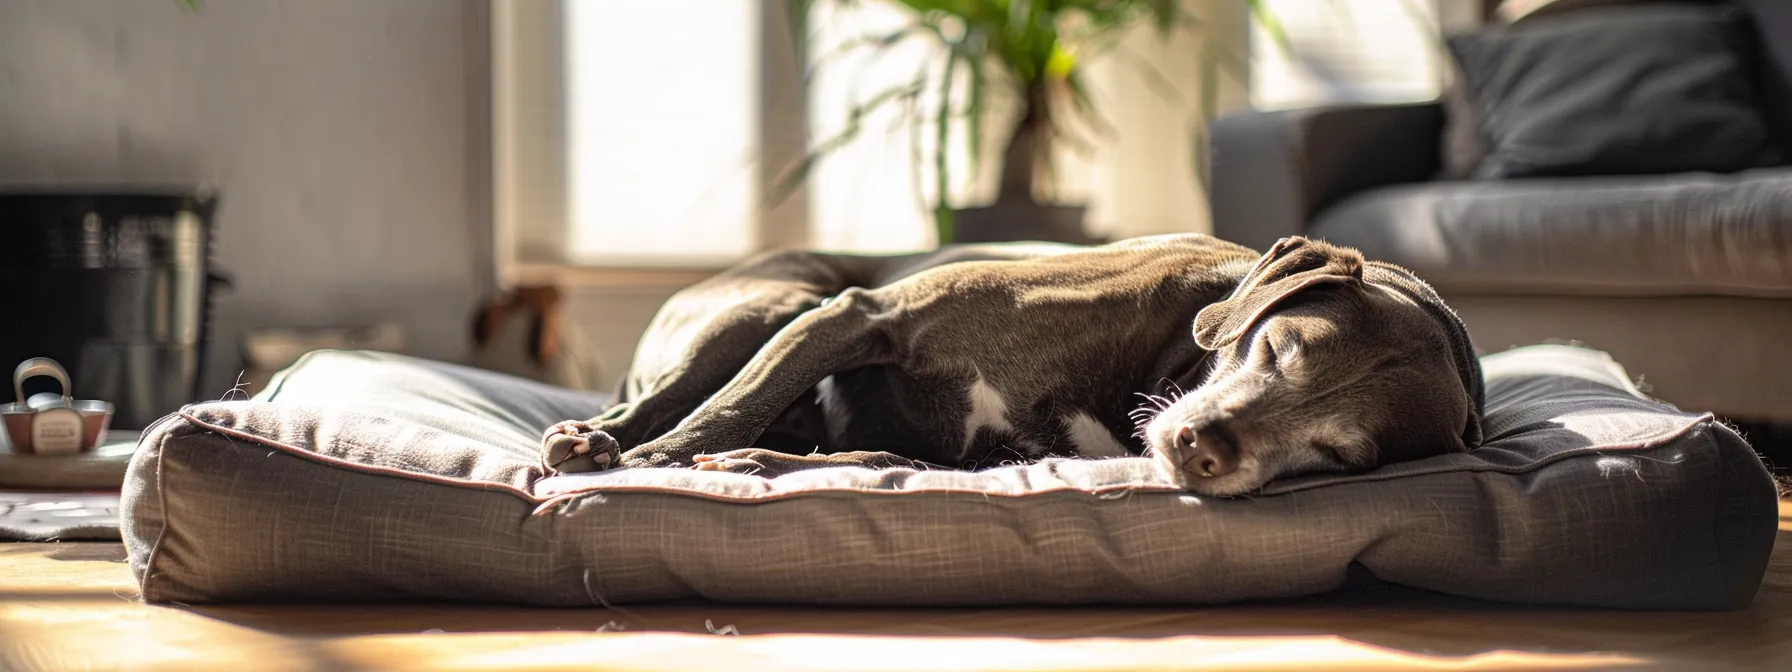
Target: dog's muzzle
[[1208, 450]]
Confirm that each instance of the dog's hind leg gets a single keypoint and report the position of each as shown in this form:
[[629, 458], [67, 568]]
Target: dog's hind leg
[[846, 333], [696, 343]]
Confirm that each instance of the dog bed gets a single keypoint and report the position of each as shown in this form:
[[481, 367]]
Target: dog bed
[[362, 476]]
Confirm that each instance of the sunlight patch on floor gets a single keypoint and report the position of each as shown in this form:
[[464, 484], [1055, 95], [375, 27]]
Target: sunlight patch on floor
[[663, 651]]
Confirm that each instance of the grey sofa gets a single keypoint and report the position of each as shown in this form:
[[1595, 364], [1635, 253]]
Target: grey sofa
[[1686, 279]]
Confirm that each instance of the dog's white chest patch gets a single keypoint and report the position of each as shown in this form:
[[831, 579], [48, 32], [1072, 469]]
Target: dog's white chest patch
[[1092, 439], [988, 410]]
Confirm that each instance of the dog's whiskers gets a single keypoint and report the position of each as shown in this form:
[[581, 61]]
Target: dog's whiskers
[[1161, 402], [1142, 416]]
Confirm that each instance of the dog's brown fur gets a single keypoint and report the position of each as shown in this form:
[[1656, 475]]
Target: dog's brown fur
[[1305, 359]]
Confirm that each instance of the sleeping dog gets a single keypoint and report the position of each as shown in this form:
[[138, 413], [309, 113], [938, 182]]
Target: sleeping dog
[[1228, 368]]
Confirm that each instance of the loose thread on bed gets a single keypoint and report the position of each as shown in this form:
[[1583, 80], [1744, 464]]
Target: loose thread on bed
[[238, 388], [591, 592], [728, 629]]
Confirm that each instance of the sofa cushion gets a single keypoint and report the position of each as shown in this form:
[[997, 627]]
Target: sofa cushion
[[1656, 88], [1772, 20], [363, 476], [1693, 233]]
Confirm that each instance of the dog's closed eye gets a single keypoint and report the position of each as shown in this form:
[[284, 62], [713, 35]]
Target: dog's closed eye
[[1269, 353], [1266, 351], [1337, 453], [1277, 353], [1328, 450], [1287, 352]]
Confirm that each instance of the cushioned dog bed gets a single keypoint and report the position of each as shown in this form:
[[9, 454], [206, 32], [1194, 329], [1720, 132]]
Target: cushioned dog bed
[[361, 476]]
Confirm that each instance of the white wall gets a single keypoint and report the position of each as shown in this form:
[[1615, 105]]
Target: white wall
[[346, 138], [1147, 170]]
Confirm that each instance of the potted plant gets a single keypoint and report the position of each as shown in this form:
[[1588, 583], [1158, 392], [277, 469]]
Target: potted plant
[[1031, 49]]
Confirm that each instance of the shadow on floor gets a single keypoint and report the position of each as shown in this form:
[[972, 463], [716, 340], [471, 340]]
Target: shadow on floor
[[1386, 616]]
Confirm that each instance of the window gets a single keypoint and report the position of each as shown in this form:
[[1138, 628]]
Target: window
[[662, 102], [643, 135], [871, 195], [1354, 51]]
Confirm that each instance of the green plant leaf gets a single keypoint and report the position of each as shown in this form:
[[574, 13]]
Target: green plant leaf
[[786, 184], [1037, 44], [945, 224], [1235, 64], [1187, 20], [1085, 106], [1148, 73], [974, 113], [1271, 23], [916, 186], [1082, 147], [796, 20], [943, 221], [878, 43], [1203, 159], [1164, 13], [1210, 102], [1020, 14], [1060, 63]]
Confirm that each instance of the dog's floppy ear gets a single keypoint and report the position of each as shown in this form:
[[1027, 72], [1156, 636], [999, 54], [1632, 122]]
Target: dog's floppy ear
[[1462, 348], [1292, 265]]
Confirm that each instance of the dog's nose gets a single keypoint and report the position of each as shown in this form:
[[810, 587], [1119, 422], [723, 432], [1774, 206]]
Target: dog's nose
[[1211, 450]]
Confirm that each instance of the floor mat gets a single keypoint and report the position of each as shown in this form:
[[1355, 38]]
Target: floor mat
[[59, 516]]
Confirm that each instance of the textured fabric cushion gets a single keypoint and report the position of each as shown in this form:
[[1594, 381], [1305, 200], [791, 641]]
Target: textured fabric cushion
[[1613, 236], [1463, 149], [363, 476], [1772, 20], [1615, 91]]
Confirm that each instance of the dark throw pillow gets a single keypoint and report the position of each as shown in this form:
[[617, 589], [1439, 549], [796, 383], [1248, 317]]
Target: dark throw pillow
[[1614, 91]]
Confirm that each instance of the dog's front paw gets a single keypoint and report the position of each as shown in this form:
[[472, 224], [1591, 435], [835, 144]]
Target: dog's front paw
[[575, 446]]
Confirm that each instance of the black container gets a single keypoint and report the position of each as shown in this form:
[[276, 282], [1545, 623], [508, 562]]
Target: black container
[[115, 286]]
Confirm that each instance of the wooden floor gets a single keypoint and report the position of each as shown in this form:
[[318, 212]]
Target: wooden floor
[[71, 606]]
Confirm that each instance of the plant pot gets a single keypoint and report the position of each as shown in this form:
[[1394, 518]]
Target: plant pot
[[1022, 219]]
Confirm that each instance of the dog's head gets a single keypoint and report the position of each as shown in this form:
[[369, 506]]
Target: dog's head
[[1320, 361]]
